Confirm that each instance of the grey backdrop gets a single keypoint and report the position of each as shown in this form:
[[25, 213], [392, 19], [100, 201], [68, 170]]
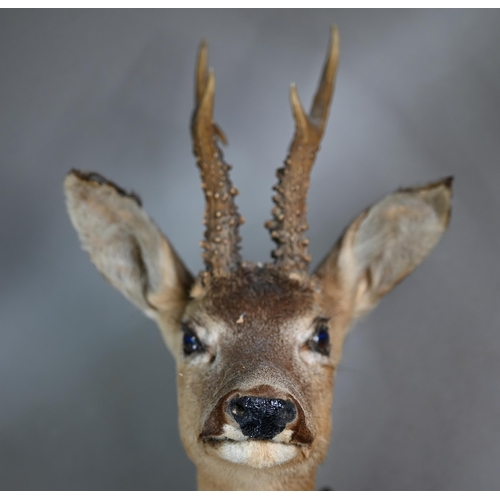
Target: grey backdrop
[[87, 391]]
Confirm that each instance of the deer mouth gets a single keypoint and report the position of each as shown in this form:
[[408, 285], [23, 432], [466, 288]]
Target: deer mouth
[[255, 453], [232, 445]]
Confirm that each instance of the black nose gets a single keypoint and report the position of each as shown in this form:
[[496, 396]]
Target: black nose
[[262, 418]]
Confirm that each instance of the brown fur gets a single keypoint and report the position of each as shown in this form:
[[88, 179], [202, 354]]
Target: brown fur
[[253, 286]]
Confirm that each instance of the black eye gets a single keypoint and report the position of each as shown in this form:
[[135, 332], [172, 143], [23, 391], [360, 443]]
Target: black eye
[[190, 342], [320, 341]]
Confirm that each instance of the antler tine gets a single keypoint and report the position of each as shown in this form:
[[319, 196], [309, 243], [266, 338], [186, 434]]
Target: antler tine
[[221, 244], [289, 213], [201, 71]]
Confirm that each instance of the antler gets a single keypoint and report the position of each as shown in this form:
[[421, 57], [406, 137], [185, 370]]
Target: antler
[[290, 221], [221, 244]]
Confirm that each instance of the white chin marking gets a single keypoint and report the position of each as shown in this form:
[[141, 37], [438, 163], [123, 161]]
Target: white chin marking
[[258, 454]]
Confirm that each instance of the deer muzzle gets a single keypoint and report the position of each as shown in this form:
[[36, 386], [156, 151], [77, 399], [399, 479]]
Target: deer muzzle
[[260, 427]]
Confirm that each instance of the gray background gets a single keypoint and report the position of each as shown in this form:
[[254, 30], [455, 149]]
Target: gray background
[[87, 389]]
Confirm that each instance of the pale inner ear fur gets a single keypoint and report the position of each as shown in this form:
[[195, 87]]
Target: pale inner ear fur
[[385, 243], [125, 245]]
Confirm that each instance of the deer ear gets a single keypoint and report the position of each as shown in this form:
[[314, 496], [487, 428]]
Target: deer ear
[[125, 245], [384, 244]]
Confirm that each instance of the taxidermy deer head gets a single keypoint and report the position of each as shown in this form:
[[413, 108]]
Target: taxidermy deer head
[[256, 345]]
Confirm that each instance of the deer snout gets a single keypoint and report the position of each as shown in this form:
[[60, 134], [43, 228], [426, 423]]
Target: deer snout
[[261, 418], [262, 413]]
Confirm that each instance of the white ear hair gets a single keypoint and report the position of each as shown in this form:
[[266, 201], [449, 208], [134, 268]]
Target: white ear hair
[[124, 243], [386, 242]]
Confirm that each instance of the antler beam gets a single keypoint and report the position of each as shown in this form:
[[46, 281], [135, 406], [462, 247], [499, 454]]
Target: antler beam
[[289, 213], [222, 219]]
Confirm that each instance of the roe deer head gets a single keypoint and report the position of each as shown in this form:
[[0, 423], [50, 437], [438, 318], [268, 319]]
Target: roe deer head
[[256, 346]]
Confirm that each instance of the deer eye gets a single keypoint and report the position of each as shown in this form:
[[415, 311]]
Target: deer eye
[[320, 341], [190, 342]]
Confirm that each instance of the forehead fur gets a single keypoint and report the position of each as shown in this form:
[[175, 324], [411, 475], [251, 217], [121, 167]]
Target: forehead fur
[[263, 292]]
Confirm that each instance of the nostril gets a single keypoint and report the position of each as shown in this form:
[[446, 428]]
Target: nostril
[[289, 411], [262, 418], [237, 408]]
